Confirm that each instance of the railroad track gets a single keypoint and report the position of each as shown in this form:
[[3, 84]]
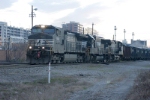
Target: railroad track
[[26, 65], [11, 66]]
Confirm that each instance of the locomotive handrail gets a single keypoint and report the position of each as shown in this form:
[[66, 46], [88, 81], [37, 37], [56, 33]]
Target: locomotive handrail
[[41, 42]]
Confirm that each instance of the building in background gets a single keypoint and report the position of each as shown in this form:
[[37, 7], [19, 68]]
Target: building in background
[[139, 43], [73, 27], [124, 41], [12, 34]]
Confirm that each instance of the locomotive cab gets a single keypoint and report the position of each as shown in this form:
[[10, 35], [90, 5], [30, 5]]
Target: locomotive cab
[[41, 44]]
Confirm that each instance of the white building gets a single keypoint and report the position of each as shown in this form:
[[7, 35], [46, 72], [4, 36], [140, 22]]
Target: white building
[[14, 34], [124, 41], [73, 27], [139, 43]]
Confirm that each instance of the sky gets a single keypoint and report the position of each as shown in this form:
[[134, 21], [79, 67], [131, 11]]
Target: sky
[[131, 15]]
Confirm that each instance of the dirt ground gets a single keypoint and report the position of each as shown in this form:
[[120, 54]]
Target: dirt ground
[[115, 81]]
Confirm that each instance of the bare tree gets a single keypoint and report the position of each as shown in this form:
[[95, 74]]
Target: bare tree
[[17, 52], [88, 30]]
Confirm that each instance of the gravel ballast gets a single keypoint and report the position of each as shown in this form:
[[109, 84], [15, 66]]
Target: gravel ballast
[[107, 82]]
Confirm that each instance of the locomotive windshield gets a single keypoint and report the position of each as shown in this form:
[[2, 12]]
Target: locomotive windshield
[[47, 31], [36, 31]]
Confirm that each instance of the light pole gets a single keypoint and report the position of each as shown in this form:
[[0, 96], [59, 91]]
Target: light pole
[[32, 15], [124, 33], [132, 35], [92, 28], [115, 28]]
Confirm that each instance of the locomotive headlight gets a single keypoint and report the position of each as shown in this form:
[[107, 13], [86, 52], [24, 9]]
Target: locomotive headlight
[[43, 47], [43, 26], [30, 47]]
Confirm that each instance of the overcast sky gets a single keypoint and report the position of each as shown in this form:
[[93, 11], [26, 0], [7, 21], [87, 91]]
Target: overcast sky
[[131, 15]]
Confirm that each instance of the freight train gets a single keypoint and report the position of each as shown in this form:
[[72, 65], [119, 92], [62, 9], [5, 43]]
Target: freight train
[[56, 45]]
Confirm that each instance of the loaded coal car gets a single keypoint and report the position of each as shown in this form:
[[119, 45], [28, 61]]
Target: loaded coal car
[[134, 55], [142, 53], [126, 52], [147, 54], [138, 53], [52, 44]]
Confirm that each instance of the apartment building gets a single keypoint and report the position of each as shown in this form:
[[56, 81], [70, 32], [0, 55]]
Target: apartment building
[[12, 34], [73, 27]]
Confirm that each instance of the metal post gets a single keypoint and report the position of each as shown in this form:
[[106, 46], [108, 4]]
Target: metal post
[[83, 30], [49, 73], [113, 37], [132, 35], [124, 33], [8, 54], [32, 15], [92, 28], [115, 32]]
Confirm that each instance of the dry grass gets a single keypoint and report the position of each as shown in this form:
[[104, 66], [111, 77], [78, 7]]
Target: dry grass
[[60, 88], [141, 88]]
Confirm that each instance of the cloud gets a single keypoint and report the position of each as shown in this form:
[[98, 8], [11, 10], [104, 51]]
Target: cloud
[[86, 15], [6, 3], [54, 5]]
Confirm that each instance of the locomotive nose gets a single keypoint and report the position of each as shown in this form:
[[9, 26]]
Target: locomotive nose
[[38, 54]]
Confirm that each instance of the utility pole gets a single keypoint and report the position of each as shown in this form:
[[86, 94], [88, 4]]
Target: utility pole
[[32, 15], [132, 35], [115, 32], [124, 34], [83, 30], [113, 37], [92, 28]]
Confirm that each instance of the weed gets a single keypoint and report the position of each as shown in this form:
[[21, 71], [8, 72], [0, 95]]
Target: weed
[[62, 80], [140, 90]]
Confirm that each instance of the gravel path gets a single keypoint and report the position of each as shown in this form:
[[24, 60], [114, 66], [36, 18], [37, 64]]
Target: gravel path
[[116, 82]]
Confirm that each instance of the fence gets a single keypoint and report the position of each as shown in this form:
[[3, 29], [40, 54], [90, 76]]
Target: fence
[[13, 52]]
